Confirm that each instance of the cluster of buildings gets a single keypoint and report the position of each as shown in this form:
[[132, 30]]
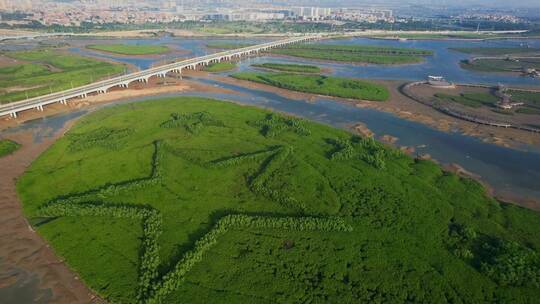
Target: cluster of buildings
[[150, 11], [490, 17]]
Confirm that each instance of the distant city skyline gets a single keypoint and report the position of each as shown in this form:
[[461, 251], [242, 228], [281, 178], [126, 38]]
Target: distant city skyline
[[332, 3]]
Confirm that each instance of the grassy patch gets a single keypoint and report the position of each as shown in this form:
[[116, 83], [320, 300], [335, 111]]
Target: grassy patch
[[324, 85], [496, 51], [7, 147], [295, 68], [528, 110], [354, 53], [220, 67], [473, 100], [227, 45], [130, 49], [261, 207], [49, 71], [501, 65], [529, 98]]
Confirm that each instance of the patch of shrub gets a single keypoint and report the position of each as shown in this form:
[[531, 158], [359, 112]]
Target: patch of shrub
[[173, 279], [273, 125], [103, 137], [371, 151], [193, 122]]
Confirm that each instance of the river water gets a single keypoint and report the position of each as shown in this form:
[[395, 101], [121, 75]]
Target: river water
[[506, 170], [444, 62]]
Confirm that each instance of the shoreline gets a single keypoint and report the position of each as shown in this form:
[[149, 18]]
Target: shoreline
[[36, 257], [354, 63], [503, 197], [170, 51], [406, 108], [22, 249], [25, 254], [114, 95]]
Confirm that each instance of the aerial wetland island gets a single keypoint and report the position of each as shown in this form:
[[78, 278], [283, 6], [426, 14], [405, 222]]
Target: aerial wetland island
[[232, 162]]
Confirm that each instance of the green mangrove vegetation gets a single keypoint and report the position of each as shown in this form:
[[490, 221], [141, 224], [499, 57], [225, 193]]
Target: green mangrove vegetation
[[130, 49], [223, 66], [473, 100], [203, 201], [503, 65], [497, 51], [8, 146], [293, 68], [227, 45], [319, 84], [528, 97], [354, 53], [48, 70]]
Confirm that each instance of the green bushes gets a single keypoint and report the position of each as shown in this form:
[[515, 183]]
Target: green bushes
[[372, 152], [8, 147], [220, 67], [273, 125], [227, 46], [344, 150], [495, 51], [50, 70], [103, 137], [193, 122], [399, 251], [130, 49], [505, 262], [295, 68], [258, 183], [150, 289], [235, 160], [473, 100], [509, 263], [354, 53], [174, 279], [318, 84]]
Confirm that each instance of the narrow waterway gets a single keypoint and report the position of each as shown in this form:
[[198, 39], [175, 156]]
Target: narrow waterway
[[444, 62], [506, 170]]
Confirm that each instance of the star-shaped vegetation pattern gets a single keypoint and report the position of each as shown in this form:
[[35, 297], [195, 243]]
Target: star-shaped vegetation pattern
[[154, 286], [192, 122]]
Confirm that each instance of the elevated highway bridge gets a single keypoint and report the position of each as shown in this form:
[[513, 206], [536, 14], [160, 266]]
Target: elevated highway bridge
[[103, 86]]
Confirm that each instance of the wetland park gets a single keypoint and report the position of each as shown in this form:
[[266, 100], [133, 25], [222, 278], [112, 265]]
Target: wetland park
[[305, 174]]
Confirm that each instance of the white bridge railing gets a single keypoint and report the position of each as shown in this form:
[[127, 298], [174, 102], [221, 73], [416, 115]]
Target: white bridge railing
[[123, 81]]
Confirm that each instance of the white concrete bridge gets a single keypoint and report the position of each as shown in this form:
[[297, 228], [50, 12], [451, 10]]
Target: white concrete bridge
[[142, 76]]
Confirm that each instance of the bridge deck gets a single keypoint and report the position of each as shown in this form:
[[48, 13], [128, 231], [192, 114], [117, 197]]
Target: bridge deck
[[124, 80]]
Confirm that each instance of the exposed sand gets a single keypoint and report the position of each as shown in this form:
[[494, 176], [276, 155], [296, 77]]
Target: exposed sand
[[409, 109], [23, 251], [10, 33], [135, 90], [20, 246]]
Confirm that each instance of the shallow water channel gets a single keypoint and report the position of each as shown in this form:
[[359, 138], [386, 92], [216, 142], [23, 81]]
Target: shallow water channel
[[509, 171]]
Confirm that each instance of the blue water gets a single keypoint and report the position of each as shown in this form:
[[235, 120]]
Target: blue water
[[444, 62], [507, 170], [190, 47]]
